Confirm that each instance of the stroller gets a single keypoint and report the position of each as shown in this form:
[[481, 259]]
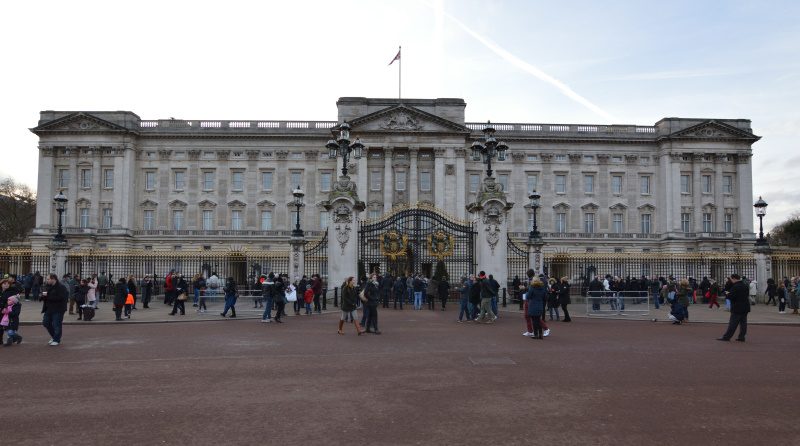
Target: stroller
[[88, 312]]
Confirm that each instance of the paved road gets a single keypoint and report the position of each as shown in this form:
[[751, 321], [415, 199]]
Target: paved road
[[426, 380]]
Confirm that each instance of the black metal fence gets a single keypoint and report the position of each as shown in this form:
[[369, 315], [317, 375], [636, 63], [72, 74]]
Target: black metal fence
[[315, 255], [785, 265], [517, 260]]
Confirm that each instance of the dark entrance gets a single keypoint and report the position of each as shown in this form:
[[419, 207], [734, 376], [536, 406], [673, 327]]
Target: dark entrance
[[414, 240]]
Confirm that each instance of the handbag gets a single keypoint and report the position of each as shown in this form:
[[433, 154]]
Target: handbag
[[182, 297], [291, 296]]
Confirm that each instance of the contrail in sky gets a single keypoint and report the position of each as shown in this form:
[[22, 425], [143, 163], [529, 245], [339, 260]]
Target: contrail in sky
[[535, 71]]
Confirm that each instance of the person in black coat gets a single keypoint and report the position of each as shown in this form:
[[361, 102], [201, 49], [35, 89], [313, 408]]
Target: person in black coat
[[54, 305], [399, 291], [536, 296], [444, 291], [372, 293], [120, 296], [595, 293], [740, 305], [564, 299], [181, 287]]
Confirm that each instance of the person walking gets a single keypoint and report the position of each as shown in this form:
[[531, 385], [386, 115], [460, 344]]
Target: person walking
[[419, 290], [486, 315], [6, 292], [10, 320], [431, 292], [169, 288], [444, 291], [713, 294], [147, 291], [54, 304], [302, 286], [230, 297], [495, 287], [523, 288], [267, 289], [386, 285], [91, 292], [564, 298], [536, 297], [552, 300], [180, 292], [102, 286], [81, 296], [740, 306], [349, 296], [783, 297], [771, 292], [399, 291], [201, 303], [70, 286], [684, 297], [38, 281], [794, 294], [373, 294], [132, 290], [463, 303], [279, 296], [120, 296], [316, 285]]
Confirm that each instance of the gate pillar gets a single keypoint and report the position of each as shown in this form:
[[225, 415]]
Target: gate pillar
[[343, 205], [490, 212], [297, 258], [535, 255], [58, 258], [763, 256]]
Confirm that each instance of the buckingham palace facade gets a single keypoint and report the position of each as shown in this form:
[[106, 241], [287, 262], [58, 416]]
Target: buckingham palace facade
[[132, 183]]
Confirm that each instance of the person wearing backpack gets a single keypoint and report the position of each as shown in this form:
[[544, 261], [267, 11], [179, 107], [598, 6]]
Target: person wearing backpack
[[212, 285]]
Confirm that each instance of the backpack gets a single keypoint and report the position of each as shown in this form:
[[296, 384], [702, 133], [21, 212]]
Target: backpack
[[213, 282]]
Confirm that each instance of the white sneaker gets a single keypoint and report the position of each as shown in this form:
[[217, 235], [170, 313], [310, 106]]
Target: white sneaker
[[527, 333], [53, 343], [547, 332], [495, 318], [781, 312], [50, 341]]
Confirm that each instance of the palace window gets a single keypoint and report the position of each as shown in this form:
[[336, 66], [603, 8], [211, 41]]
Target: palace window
[[266, 180], [588, 184], [686, 222], [561, 184], [108, 178], [503, 180], [208, 180], [708, 223], [325, 182], [727, 184], [180, 179], [237, 181], [561, 157], [266, 220], [375, 179], [374, 214], [400, 180], [474, 180], [236, 220], [530, 221], [208, 220], [148, 220], [618, 226], [646, 223], [324, 216], [296, 179], [588, 222], [150, 180], [728, 223], [532, 157], [686, 184], [706, 184], [106, 218], [63, 178], [425, 181], [644, 185], [86, 178], [533, 181], [177, 219], [84, 220], [616, 184], [561, 222]]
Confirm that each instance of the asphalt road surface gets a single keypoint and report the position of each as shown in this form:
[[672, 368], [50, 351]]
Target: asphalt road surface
[[425, 380]]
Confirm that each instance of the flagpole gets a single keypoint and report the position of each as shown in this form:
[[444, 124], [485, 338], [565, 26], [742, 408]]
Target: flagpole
[[400, 77]]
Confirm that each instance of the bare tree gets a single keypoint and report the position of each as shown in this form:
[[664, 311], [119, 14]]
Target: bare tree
[[17, 210], [786, 233]]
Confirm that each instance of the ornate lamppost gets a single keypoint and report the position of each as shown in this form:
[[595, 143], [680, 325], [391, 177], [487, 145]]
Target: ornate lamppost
[[534, 197], [489, 149], [761, 211], [341, 147], [61, 205], [298, 203]]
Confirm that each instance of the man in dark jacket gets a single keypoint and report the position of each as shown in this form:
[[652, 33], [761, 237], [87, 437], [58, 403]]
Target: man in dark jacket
[[444, 291], [740, 306], [387, 283], [372, 293], [54, 305], [399, 291], [120, 296], [595, 293]]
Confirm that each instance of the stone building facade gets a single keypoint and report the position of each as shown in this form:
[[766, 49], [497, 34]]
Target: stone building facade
[[132, 183]]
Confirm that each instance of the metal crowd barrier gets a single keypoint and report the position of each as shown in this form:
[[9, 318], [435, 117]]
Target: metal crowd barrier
[[617, 303]]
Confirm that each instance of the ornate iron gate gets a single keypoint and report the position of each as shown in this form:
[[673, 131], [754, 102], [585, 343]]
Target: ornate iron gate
[[315, 254], [415, 239], [517, 261]]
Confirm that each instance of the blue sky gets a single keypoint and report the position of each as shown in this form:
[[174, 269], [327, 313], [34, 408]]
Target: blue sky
[[512, 61]]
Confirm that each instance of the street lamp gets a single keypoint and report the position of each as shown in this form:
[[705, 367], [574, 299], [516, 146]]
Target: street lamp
[[761, 211], [489, 149], [61, 206], [298, 203], [341, 146], [534, 197]]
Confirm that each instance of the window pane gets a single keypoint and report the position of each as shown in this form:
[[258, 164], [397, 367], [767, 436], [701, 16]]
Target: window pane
[[149, 221], [474, 179], [728, 223], [177, 220], [375, 179], [425, 181], [686, 222], [180, 182], [266, 180], [588, 183], [727, 184], [84, 218], [400, 180], [646, 223], [108, 179], [561, 222], [296, 179], [63, 178], [685, 184], [533, 181], [561, 184], [106, 218], [706, 184], [208, 220], [237, 181], [323, 219], [645, 185], [236, 220], [374, 214], [618, 226], [325, 182], [616, 184], [707, 223], [266, 220], [208, 180], [589, 223], [86, 178], [149, 180], [503, 179]]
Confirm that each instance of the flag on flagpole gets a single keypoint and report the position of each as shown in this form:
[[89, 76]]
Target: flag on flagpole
[[395, 57]]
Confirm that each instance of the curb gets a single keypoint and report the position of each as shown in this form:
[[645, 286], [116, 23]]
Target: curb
[[160, 321]]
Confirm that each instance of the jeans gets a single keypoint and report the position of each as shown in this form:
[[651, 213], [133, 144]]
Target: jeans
[[736, 320], [196, 295], [308, 308], [399, 297], [656, 297], [178, 305], [365, 315], [566, 313], [52, 323], [410, 295], [486, 308], [267, 308], [463, 309], [494, 305], [202, 304], [372, 319], [417, 300], [230, 303], [554, 310]]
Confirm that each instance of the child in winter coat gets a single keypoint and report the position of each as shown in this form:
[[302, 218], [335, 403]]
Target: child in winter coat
[[308, 298], [128, 305], [10, 320]]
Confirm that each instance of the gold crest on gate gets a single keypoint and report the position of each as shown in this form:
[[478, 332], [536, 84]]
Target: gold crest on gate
[[393, 245], [440, 244]]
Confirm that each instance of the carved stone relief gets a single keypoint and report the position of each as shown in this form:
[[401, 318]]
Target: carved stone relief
[[401, 121]]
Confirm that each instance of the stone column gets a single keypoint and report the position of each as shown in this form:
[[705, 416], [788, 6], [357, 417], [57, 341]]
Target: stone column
[[388, 179], [344, 206], [697, 193], [719, 216], [461, 188], [72, 190], [438, 185], [45, 188], [744, 193], [97, 186], [535, 255], [363, 173], [297, 260], [120, 193], [413, 183], [491, 212], [58, 258], [763, 255]]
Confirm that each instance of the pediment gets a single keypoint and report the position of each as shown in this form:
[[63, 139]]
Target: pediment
[[236, 203], [83, 202], [177, 204], [590, 206], [402, 118], [646, 207], [561, 205], [713, 130], [80, 122], [619, 206], [148, 204], [207, 204], [265, 203]]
